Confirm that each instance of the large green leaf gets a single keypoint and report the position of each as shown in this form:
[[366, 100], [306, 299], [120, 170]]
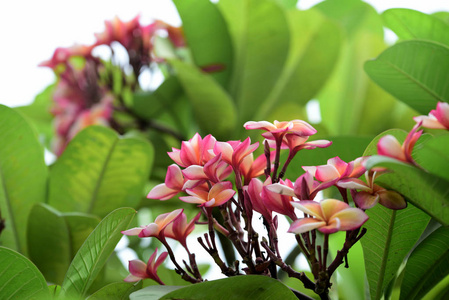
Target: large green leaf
[[99, 172], [314, 49], [433, 155], [19, 278], [153, 292], [214, 110], [261, 39], [116, 291], [424, 190], [427, 265], [415, 72], [95, 251], [54, 238], [412, 24], [240, 287], [207, 37], [390, 236], [23, 176]]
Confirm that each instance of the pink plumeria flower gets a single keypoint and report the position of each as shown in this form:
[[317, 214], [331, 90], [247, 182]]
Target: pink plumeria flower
[[277, 130], [234, 152], [219, 194], [194, 152], [305, 188], [140, 270], [389, 146], [215, 170], [179, 229], [437, 119], [254, 190], [280, 203], [155, 229], [335, 170], [370, 194], [328, 216], [296, 143], [251, 168], [174, 182], [62, 55]]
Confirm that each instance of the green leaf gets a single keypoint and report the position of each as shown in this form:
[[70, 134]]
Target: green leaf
[[116, 291], [261, 38], [390, 236], [240, 287], [207, 37], [19, 278], [153, 292], [99, 172], [426, 191], [54, 239], [415, 72], [412, 24], [427, 265], [313, 53], [95, 251], [212, 106], [23, 176], [433, 156]]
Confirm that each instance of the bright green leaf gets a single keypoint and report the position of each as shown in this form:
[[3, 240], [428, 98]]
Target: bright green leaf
[[99, 172], [240, 287], [23, 176], [207, 37], [116, 291], [153, 292], [261, 38], [412, 24], [415, 72], [427, 265], [212, 106], [390, 236], [314, 49], [19, 278], [95, 251]]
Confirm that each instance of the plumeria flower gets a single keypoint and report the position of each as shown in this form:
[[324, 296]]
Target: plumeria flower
[[389, 146], [305, 187], [437, 119], [370, 194], [277, 130], [296, 143], [278, 202], [62, 55], [194, 152], [174, 182], [328, 216], [215, 170], [254, 190], [234, 152], [140, 270], [252, 168], [335, 170], [219, 194], [155, 229], [179, 229]]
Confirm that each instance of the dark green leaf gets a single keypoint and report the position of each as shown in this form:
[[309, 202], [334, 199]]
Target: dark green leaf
[[99, 172], [433, 155], [415, 72], [95, 251], [116, 291], [153, 292], [19, 278], [261, 38], [212, 106], [390, 236], [427, 265], [412, 24], [207, 37], [23, 176], [426, 191], [240, 287]]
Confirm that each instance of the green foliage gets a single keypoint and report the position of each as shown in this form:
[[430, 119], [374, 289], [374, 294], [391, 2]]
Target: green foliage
[[99, 172], [23, 176], [19, 278], [93, 254], [116, 291]]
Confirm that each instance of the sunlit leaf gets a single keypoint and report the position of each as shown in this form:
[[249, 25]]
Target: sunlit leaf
[[207, 37], [213, 108], [415, 72], [412, 24], [23, 176], [427, 265], [19, 278], [99, 172], [95, 251]]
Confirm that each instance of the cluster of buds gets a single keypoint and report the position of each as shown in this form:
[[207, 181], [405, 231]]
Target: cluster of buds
[[84, 94], [223, 178]]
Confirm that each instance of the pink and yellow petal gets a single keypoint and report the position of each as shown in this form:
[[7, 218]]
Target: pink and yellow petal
[[365, 200], [330, 207], [350, 218], [309, 207], [389, 146], [305, 225]]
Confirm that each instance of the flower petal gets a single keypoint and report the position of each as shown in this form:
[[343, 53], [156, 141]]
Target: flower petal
[[392, 199], [350, 218], [365, 200], [305, 224], [309, 207]]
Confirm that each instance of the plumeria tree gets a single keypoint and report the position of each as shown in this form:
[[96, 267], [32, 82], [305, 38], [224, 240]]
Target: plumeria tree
[[328, 203]]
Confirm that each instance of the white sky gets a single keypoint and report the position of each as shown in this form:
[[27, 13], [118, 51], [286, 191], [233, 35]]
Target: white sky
[[31, 30]]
